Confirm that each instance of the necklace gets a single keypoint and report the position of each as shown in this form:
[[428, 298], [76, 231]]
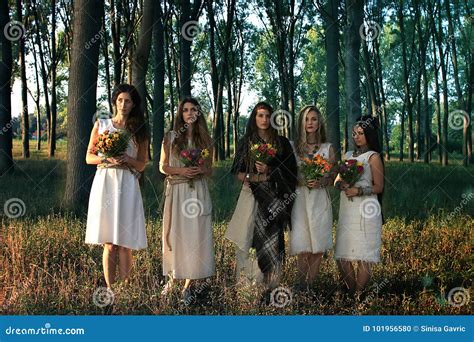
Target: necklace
[[360, 150]]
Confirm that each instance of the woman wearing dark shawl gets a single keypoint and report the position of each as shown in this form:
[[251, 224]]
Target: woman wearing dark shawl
[[265, 202]]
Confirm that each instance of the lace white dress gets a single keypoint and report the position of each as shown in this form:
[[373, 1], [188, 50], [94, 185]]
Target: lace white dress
[[115, 213], [359, 229], [311, 217]]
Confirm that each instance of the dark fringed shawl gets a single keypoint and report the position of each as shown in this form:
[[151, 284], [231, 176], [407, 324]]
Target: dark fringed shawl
[[275, 200]]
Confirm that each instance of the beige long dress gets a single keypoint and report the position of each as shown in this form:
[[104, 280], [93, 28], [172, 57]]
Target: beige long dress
[[188, 249]]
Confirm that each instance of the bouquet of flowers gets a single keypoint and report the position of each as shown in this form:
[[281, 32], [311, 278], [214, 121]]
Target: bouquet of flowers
[[112, 144], [350, 171], [315, 168], [193, 157], [262, 152]]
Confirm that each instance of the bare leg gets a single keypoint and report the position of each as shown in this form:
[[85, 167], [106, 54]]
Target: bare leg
[[109, 263], [303, 268], [364, 273], [314, 264], [348, 274], [187, 283], [125, 263]]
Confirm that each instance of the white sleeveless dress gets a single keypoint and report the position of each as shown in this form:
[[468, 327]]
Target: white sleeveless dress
[[311, 217], [359, 229], [115, 212], [187, 226]]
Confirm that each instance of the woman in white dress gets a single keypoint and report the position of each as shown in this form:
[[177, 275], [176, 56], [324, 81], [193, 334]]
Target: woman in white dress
[[359, 229], [115, 216], [311, 218], [188, 250]]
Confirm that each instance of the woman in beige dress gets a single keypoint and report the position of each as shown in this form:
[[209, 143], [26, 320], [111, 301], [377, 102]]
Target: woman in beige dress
[[188, 250]]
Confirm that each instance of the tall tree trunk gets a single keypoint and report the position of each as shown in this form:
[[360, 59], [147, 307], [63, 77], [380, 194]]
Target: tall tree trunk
[[6, 136], [406, 82], [37, 101], [159, 86], [444, 137], [82, 97], [438, 102], [115, 25], [44, 76], [105, 49], [355, 13], [54, 63], [25, 124], [331, 24], [378, 66], [142, 52], [461, 102], [402, 131]]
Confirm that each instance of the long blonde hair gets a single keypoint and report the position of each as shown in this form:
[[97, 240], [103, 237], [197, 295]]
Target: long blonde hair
[[301, 137]]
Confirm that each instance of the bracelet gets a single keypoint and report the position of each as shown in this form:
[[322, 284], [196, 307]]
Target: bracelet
[[103, 160], [366, 191], [359, 191]]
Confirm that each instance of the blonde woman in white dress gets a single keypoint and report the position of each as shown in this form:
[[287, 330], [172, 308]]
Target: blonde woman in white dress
[[311, 218], [116, 217], [359, 229], [188, 250]]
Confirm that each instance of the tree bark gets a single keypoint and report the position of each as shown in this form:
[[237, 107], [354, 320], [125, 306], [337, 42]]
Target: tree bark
[[82, 97]]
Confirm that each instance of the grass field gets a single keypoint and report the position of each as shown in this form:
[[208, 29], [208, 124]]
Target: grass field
[[426, 251]]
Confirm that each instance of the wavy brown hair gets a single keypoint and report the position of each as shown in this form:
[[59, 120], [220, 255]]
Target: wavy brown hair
[[200, 133], [301, 137], [135, 122]]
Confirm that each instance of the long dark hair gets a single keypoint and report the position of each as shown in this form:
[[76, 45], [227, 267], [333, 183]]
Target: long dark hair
[[370, 125], [251, 132], [200, 133], [135, 122]]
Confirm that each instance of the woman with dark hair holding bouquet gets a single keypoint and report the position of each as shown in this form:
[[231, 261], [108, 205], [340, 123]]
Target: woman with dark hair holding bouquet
[[359, 229], [188, 250], [265, 164], [119, 148]]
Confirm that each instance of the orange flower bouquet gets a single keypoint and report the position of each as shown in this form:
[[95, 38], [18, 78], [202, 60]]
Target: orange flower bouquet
[[315, 168], [112, 144]]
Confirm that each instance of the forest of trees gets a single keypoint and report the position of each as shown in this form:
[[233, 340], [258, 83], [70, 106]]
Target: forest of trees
[[410, 63]]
